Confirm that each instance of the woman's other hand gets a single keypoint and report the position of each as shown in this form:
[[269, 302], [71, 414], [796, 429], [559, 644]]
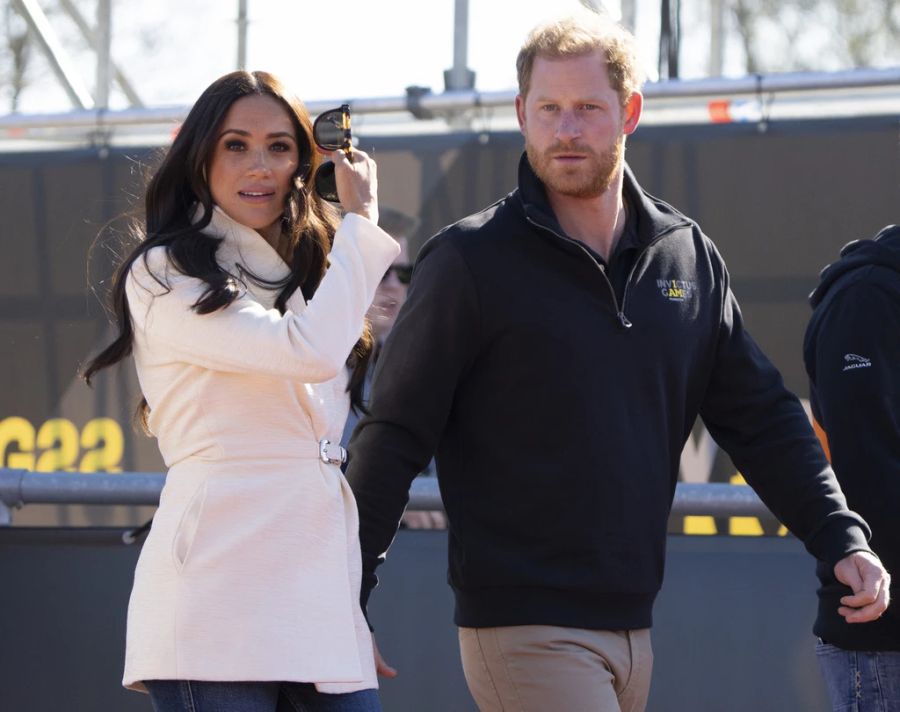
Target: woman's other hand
[[381, 667], [357, 183]]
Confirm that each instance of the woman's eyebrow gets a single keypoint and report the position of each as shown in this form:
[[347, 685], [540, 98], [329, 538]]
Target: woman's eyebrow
[[275, 134]]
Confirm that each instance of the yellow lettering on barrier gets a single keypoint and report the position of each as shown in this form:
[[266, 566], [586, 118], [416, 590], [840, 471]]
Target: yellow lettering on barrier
[[103, 440], [57, 445], [19, 432], [58, 438]]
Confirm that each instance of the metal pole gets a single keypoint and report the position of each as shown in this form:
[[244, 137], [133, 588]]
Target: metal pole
[[683, 90], [59, 60], [91, 37], [675, 41], [242, 35], [20, 487], [716, 39], [104, 45], [460, 77], [669, 38], [629, 14]]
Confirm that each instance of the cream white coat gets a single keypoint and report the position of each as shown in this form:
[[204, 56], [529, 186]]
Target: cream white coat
[[251, 570]]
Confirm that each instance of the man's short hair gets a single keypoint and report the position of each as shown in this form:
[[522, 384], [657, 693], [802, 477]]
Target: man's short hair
[[579, 34], [395, 223]]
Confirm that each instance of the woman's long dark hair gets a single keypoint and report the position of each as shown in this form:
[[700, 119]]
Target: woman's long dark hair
[[179, 185]]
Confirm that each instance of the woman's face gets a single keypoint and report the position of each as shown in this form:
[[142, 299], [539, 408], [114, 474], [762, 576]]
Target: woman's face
[[253, 164]]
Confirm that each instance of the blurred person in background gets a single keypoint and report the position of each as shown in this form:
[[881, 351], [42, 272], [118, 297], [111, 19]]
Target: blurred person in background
[[554, 352], [852, 357], [243, 306], [389, 297]]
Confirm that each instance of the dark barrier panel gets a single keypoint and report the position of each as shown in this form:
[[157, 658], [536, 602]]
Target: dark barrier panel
[[732, 625], [778, 204]]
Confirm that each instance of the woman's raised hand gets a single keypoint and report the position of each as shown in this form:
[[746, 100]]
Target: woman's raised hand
[[357, 183]]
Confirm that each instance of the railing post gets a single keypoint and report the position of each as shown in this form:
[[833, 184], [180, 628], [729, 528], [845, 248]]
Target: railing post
[[10, 494]]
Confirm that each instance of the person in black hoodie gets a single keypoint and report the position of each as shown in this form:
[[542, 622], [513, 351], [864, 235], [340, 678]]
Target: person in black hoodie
[[554, 352], [852, 356]]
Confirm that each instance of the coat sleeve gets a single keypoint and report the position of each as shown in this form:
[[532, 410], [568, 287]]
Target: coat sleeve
[[423, 360], [857, 388], [309, 342], [765, 430]]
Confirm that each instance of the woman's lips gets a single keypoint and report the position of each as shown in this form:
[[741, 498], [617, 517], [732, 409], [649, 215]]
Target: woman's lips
[[256, 196]]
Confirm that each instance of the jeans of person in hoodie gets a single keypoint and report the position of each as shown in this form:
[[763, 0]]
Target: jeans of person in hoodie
[[202, 696], [860, 681]]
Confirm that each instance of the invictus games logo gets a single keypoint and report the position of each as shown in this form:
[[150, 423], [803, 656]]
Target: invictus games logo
[[852, 361], [676, 290]]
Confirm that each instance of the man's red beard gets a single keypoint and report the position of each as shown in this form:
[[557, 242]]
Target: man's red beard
[[590, 178]]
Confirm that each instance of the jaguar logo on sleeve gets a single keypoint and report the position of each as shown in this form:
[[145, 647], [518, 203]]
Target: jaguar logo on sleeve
[[852, 361]]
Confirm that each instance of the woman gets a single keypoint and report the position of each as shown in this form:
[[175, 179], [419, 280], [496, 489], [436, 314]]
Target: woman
[[246, 592]]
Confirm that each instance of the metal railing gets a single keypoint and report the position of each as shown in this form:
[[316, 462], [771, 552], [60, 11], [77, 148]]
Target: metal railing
[[22, 487], [421, 102]]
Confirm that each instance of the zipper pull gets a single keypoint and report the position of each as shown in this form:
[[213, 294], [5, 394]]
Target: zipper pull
[[623, 320]]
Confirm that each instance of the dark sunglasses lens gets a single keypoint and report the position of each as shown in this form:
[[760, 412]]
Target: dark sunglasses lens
[[403, 272], [329, 132], [326, 185]]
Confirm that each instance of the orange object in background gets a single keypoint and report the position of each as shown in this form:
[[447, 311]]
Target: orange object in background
[[823, 438], [720, 111]]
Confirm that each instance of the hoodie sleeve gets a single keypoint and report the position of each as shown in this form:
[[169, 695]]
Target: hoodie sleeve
[[765, 430], [424, 358], [857, 396]]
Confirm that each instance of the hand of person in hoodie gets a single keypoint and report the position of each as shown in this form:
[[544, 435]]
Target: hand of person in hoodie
[[870, 583]]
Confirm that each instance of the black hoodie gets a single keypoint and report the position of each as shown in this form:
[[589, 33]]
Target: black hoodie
[[558, 410], [852, 355]]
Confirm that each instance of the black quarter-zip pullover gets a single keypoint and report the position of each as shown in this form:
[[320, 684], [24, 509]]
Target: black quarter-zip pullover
[[558, 411]]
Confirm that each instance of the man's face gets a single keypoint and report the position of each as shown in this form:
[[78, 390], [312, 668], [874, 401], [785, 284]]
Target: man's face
[[574, 124], [390, 294]]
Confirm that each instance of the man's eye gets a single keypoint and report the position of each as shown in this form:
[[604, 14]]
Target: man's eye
[[548, 107]]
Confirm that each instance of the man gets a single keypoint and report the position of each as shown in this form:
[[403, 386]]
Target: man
[[554, 351], [852, 355]]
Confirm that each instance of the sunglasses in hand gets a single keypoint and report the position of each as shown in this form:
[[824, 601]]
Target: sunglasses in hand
[[331, 132], [403, 272]]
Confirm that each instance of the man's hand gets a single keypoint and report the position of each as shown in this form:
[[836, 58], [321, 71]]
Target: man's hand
[[870, 583], [381, 667]]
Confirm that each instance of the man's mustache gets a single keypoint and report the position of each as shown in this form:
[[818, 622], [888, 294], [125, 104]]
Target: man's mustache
[[560, 148]]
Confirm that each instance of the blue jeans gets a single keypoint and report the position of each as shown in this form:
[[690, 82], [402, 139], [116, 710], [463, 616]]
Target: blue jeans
[[860, 681], [194, 696]]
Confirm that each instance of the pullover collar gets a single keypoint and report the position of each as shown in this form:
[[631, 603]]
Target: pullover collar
[[654, 217]]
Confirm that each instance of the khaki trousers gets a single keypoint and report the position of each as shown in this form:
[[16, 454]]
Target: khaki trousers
[[541, 668]]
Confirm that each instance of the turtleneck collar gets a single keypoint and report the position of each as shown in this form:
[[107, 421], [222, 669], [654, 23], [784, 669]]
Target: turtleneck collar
[[244, 247]]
